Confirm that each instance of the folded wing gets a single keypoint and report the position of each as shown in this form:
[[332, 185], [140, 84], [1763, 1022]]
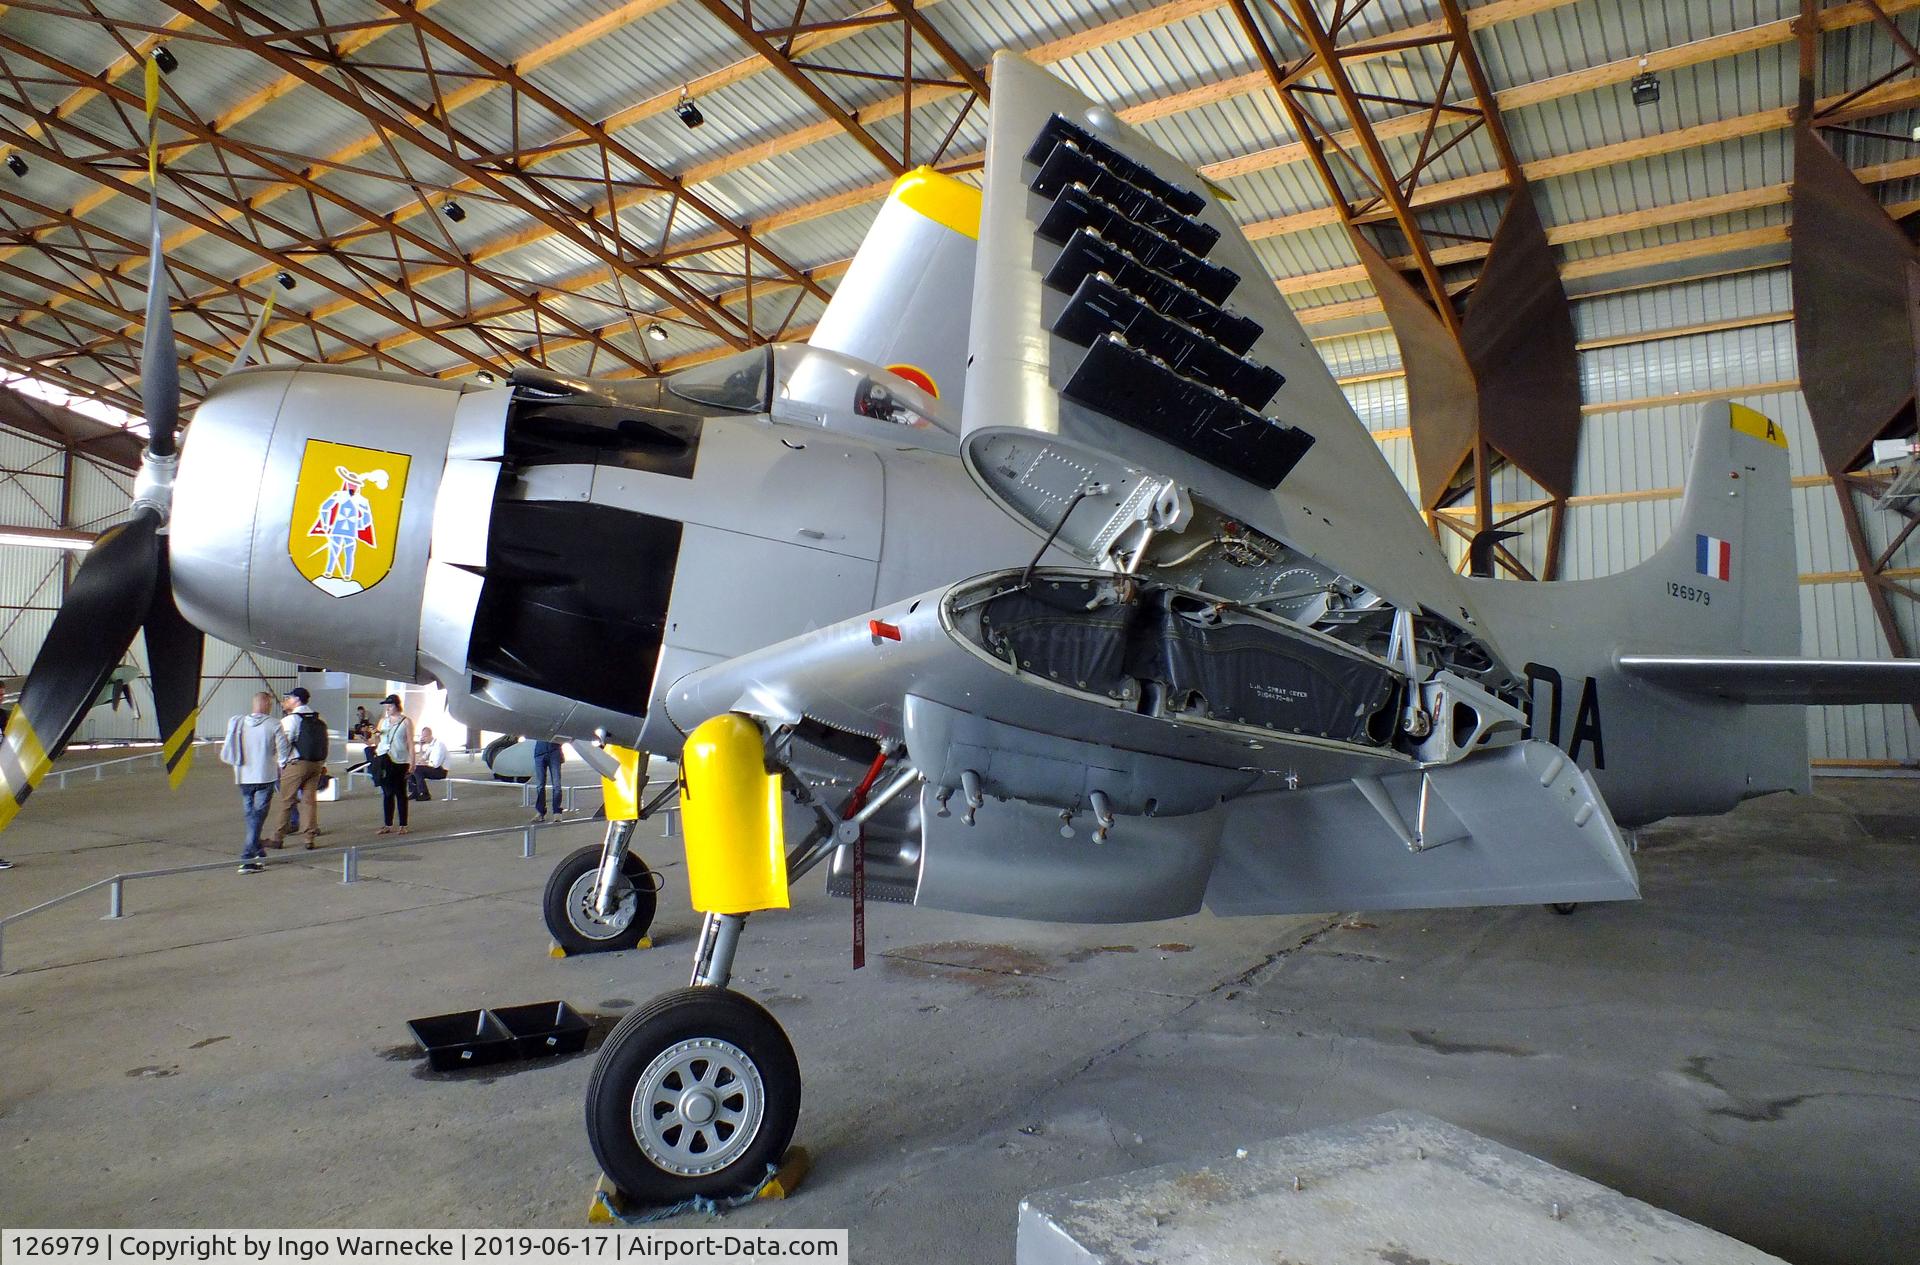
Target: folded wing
[[1125, 337]]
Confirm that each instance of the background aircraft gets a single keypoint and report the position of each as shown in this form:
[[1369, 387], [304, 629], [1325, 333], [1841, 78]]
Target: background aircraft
[[1054, 579]]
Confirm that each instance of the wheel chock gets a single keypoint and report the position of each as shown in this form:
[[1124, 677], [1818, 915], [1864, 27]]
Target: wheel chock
[[787, 1178], [607, 1206], [555, 951]]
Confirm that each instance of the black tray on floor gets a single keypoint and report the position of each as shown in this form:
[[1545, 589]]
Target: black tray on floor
[[544, 1029], [465, 1038]]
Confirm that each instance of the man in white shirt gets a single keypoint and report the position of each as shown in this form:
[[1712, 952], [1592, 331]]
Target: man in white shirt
[[429, 764], [255, 747]]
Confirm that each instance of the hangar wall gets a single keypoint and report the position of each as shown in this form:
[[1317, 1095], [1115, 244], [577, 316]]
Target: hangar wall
[[1649, 358]]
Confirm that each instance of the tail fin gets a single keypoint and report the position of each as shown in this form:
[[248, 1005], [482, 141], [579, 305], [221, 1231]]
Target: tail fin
[[1733, 542], [1724, 584], [906, 300]]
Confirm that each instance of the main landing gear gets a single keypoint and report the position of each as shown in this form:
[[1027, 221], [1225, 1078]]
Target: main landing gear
[[602, 898], [572, 905], [697, 1093]]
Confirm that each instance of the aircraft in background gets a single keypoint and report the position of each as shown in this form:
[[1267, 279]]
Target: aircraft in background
[[117, 689], [1053, 579]]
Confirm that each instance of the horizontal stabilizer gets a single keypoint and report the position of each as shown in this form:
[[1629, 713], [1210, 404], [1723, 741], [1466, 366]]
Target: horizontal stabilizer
[[1781, 679]]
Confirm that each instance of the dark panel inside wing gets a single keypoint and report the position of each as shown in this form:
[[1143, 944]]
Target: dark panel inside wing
[[1068, 165], [1167, 652], [1086, 252], [1133, 387], [1099, 307], [1077, 208], [1058, 129]]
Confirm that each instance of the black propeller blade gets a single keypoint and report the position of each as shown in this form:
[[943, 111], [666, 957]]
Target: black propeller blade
[[123, 584], [174, 651], [108, 600]]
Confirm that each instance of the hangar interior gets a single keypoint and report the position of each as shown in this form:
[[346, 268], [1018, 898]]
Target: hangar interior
[[1530, 239]]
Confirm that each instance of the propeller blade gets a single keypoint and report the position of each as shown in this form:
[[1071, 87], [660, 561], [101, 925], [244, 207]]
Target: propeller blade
[[174, 652], [159, 355], [250, 349], [108, 600]]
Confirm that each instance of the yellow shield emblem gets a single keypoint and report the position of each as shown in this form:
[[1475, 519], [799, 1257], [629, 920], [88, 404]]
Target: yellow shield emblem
[[346, 515]]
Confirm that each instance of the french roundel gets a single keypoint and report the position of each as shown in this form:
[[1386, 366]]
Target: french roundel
[[918, 376]]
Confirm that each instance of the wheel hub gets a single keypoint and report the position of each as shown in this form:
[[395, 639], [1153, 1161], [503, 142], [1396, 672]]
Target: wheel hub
[[587, 920], [698, 1106]]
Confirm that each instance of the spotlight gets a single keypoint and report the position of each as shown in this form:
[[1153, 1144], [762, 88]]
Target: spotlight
[[689, 112], [17, 165], [454, 211], [163, 58], [1645, 86], [285, 279], [486, 377], [657, 332]]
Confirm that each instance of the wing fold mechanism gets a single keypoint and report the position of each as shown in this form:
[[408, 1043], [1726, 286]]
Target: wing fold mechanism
[[1783, 680]]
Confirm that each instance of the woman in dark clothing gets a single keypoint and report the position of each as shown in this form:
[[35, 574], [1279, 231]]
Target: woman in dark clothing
[[392, 757]]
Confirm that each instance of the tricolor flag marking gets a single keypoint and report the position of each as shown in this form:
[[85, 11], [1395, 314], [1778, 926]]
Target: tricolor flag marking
[[1713, 557]]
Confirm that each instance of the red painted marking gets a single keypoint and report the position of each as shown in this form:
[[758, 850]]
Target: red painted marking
[[918, 376], [882, 630]]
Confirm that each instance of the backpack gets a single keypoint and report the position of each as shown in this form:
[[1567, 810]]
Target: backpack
[[310, 740]]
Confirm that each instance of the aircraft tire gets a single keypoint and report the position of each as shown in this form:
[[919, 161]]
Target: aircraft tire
[[566, 904], [695, 1093], [1564, 907]]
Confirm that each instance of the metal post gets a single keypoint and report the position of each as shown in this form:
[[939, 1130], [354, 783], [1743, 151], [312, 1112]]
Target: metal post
[[116, 899], [62, 775], [350, 866], [3, 948], [526, 841], [99, 772]]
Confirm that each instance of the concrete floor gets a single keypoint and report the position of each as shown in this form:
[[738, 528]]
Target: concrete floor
[[1738, 1048]]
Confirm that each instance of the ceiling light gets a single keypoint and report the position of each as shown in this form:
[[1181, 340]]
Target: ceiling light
[[163, 58], [657, 332], [454, 211], [17, 165], [689, 112], [285, 279], [1645, 86]]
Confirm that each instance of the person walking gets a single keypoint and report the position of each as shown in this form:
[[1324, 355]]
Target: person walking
[[429, 764], [392, 759], [254, 747], [547, 759], [303, 762]]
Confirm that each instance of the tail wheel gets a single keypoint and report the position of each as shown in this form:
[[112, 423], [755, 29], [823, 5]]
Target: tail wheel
[[568, 904], [694, 1094], [1564, 907]]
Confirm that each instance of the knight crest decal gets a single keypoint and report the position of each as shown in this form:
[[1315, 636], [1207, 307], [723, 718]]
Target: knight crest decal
[[346, 515]]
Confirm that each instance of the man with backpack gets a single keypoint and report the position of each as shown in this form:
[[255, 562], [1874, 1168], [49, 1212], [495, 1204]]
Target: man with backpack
[[302, 766]]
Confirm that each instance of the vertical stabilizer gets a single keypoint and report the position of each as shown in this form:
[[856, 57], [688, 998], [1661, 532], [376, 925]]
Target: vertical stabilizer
[[1724, 583], [906, 300]]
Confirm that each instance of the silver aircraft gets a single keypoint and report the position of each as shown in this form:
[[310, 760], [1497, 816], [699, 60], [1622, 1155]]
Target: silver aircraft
[[1053, 578]]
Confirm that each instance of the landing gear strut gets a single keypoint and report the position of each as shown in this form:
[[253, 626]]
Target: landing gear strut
[[697, 1093]]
